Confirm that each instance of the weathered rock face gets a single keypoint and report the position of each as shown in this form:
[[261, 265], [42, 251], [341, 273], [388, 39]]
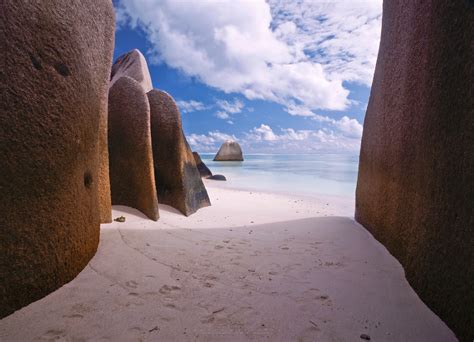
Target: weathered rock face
[[415, 190], [55, 67], [202, 168], [132, 64], [229, 151], [178, 180], [105, 201], [217, 177], [132, 176]]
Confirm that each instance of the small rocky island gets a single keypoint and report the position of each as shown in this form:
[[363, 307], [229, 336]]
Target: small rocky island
[[229, 151]]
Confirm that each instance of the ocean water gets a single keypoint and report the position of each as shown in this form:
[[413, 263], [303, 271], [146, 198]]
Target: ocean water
[[306, 174]]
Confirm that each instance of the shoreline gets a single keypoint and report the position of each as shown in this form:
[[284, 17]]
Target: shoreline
[[252, 267], [344, 204]]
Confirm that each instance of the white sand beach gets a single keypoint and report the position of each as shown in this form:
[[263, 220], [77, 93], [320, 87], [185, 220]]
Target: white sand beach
[[252, 267]]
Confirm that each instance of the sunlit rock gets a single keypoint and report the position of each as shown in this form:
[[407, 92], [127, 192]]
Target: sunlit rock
[[415, 191], [54, 75]]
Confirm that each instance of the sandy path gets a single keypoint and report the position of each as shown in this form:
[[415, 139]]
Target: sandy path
[[251, 267]]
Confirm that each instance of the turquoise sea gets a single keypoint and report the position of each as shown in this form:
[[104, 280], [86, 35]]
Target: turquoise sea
[[306, 174]]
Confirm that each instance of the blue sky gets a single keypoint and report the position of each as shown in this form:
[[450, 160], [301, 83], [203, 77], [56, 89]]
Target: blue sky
[[277, 76]]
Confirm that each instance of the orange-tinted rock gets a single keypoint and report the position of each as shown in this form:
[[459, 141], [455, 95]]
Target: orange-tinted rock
[[178, 180], [105, 200], [132, 179], [54, 74], [202, 168], [229, 151], [415, 191], [132, 64]]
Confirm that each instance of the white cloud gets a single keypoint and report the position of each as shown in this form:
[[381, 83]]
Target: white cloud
[[341, 35], [299, 110], [209, 142], [295, 53], [264, 139], [231, 107], [264, 132], [191, 106], [340, 136], [228, 108], [222, 115], [350, 127]]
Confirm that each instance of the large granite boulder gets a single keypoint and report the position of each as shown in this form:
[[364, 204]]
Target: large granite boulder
[[178, 180], [132, 64], [132, 176], [54, 74], [229, 151], [415, 191], [103, 181], [202, 168]]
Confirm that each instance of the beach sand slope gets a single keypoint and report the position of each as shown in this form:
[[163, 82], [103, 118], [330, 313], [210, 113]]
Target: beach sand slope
[[254, 266]]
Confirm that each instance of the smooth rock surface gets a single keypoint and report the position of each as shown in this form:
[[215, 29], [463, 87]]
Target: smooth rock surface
[[132, 176], [105, 199], [202, 168], [54, 74], [415, 191], [132, 64], [217, 177], [229, 151], [177, 177]]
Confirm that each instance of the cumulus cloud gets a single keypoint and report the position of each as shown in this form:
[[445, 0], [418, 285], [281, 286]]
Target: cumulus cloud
[[299, 110], [347, 126], [191, 106], [228, 108], [341, 136], [208, 142], [265, 139], [341, 35], [262, 133], [295, 53]]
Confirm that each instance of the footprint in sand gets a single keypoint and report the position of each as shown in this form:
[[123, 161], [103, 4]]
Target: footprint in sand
[[166, 289], [75, 315], [81, 308], [210, 318], [309, 333], [207, 319], [210, 277], [326, 301], [333, 264], [173, 307], [207, 280], [132, 284], [53, 335], [218, 247]]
